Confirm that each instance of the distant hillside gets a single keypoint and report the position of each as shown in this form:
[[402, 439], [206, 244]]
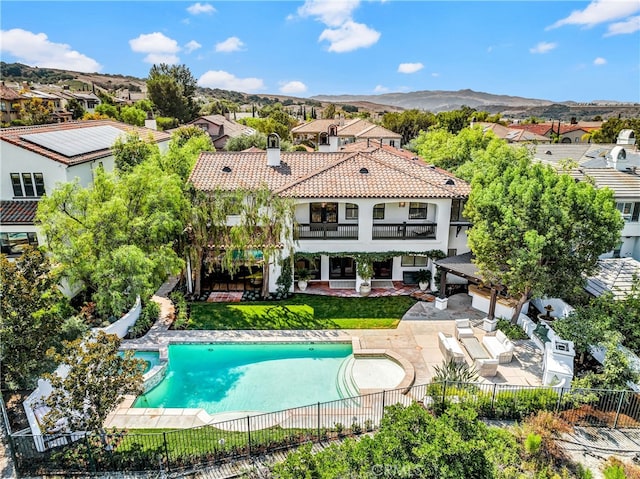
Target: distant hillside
[[437, 100]]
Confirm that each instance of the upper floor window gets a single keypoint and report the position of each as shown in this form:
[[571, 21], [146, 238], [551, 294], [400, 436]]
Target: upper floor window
[[15, 243], [414, 261], [351, 211], [324, 212], [417, 211], [630, 211], [27, 184], [378, 211], [457, 207]]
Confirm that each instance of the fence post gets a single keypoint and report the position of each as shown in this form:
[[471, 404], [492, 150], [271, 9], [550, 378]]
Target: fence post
[[382, 412], [559, 400], [14, 456], [166, 450], [622, 396], [493, 399], [444, 392], [91, 461], [318, 421], [249, 435]]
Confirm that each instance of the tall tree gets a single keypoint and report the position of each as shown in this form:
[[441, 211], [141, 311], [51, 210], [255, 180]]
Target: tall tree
[[536, 231], [409, 123], [172, 88], [76, 108], [33, 310], [119, 231], [98, 379], [132, 150], [35, 111]]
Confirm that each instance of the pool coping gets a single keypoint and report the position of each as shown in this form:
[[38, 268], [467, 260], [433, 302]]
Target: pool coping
[[126, 416]]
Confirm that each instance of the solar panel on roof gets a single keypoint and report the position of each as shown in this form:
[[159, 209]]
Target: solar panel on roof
[[78, 141]]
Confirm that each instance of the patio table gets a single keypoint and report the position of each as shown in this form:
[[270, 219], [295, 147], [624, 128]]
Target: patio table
[[474, 348]]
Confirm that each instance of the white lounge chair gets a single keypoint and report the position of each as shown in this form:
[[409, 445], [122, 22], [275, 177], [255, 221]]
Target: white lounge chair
[[463, 329]]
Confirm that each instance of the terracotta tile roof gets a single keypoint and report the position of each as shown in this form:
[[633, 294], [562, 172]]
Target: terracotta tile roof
[[12, 135], [354, 128], [231, 128], [380, 173], [10, 94], [614, 275], [539, 129], [375, 131], [18, 212], [314, 127]]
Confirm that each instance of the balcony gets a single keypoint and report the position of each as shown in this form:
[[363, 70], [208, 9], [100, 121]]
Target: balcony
[[404, 231], [327, 231]]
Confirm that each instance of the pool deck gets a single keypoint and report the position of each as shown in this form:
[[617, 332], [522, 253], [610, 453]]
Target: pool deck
[[414, 341]]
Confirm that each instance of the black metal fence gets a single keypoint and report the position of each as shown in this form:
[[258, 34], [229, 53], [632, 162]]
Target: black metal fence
[[173, 450]]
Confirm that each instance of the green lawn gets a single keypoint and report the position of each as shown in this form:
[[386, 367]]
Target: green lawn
[[302, 311]]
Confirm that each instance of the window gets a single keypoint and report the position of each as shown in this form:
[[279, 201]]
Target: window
[[324, 212], [27, 184], [630, 211], [378, 211], [3, 106], [452, 252], [351, 211], [457, 207], [417, 211], [311, 265], [15, 243], [414, 261]]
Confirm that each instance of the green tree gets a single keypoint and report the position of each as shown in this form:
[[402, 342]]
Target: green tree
[[98, 379], [36, 111], [450, 151], [133, 115], [536, 231], [186, 144], [264, 219], [76, 108], [132, 150], [33, 312], [108, 110], [172, 89], [244, 142], [608, 132], [119, 231], [329, 112], [409, 123], [456, 120]]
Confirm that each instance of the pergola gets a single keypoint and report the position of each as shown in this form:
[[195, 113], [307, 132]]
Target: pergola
[[462, 265]]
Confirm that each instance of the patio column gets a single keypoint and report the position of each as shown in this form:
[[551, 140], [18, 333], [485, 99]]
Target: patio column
[[441, 300], [490, 322]]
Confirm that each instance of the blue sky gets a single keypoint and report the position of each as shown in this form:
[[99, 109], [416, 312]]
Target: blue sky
[[555, 50]]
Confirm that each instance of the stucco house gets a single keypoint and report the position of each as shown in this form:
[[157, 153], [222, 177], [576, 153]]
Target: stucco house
[[10, 104], [377, 199], [220, 128], [347, 131], [35, 159]]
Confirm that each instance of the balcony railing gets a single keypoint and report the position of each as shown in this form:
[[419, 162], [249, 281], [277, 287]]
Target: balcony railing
[[404, 231], [327, 231]]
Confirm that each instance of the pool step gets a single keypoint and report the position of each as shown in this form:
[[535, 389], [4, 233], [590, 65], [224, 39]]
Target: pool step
[[345, 384]]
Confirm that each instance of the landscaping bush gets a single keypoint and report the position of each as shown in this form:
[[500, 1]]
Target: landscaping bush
[[512, 331], [148, 316], [182, 319]]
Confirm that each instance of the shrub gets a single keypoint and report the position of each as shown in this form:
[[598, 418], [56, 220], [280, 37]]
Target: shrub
[[512, 331], [182, 319], [532, 444], [614, 472], [148, 316]]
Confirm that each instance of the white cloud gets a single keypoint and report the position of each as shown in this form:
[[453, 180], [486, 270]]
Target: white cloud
[[293, 87], [435, 75], [198, 8], [630, 25], [37, 50], [600, 61], [349, 36], [543, 47], [600, 11], [231, 44], [343, 33], [158, 47], [410, 67], [192, 46], [331, 13], [228, 81], [380, 89]]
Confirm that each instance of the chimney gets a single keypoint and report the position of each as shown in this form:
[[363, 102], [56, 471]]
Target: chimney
[[333, 138], [273, 150]]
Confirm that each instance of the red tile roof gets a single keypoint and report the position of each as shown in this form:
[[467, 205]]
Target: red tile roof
[[18, 212], [13, 136], [378, 173], [10, 94]]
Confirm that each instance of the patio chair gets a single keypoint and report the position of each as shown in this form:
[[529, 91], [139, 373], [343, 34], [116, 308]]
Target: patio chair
[[464, 329]]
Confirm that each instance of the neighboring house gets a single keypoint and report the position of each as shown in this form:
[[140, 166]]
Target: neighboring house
[[53, 101], [220, 129], [10, 104], [615, 276], [379, 199], [348, 131], [88, 100], [512, 135], [569, 133], [35, 159], [612, 166]]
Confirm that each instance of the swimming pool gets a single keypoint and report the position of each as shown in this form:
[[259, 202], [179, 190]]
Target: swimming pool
[[249, 377], [150, 358]]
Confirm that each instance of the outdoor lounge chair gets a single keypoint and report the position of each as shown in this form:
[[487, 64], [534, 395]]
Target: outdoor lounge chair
[[463, 329]]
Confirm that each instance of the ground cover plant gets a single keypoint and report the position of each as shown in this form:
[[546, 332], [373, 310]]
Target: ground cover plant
[[302, 312]]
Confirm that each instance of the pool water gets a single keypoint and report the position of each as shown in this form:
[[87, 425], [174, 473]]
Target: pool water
[[248, 377], [150, 358]]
